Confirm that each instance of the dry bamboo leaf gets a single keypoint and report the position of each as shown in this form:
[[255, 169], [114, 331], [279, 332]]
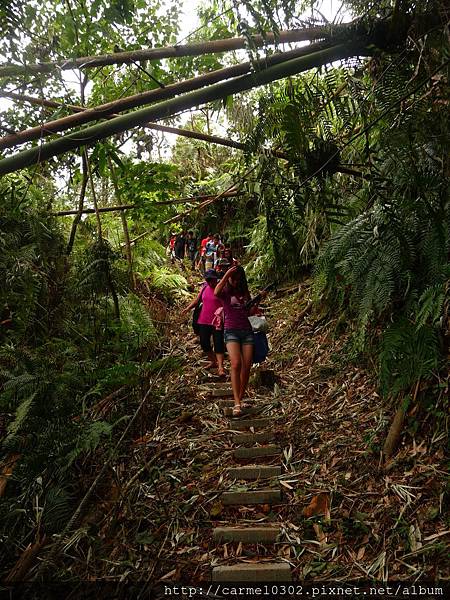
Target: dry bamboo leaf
[[361, 553], [319, 505], [8, 467]]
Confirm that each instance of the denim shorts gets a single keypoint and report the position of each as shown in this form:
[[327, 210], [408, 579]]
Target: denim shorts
[[242, 336]]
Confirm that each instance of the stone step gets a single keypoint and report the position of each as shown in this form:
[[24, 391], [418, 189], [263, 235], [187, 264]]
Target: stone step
[[261, 437], [258, 452], [251, 497], [255, 572], [220, 392], [251, 472], [241, 424], [247, 535], [249, 411], [225, 402]]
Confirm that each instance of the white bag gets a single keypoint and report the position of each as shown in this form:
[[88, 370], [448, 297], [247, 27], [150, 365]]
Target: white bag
[[259, 324]]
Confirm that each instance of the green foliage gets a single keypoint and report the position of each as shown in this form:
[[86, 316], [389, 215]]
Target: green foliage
[[167, 283], [389, 267], [60, 353], [407, 354]]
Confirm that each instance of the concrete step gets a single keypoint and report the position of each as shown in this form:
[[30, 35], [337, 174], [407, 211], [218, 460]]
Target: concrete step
[[243, 453], [247, 535], [225, 402], [255, 572], [251, 410], [261, 437], [251, 472], [220, 392], [241, 424], [251, 497]]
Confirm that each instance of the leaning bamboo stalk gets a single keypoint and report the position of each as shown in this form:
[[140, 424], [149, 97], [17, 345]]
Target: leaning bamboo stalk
[[87, 211], [107, 110], [167, 109], [90, 211], [195, 49], [211, 139], [211, 200], [25, 562]]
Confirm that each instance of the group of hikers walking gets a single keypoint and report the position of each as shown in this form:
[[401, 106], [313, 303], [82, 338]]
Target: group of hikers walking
[[211, 253], [221, 317]]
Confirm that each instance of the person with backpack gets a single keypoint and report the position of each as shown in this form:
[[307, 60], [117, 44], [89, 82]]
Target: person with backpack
[[206, 304], [232, 290]]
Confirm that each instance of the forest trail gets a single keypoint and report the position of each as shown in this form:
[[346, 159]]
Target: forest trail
[[255, 460]]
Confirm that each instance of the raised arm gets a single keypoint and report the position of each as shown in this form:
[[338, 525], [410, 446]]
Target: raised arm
[[222, 282]]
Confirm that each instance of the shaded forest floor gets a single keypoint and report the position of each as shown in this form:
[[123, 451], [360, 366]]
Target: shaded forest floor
[[346, 515]]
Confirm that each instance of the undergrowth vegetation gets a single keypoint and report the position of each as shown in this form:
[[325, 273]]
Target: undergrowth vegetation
[[72, 332]]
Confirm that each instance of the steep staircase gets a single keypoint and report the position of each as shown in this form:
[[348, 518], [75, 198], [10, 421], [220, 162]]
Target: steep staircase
[[251, 461]]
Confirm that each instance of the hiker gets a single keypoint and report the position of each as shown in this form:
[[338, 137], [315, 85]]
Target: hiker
[[191, 246], [227, 254], [210, 303], [180, 246], [204, 241], [232, 289], [222, 266], [171, 247], [211, 249]]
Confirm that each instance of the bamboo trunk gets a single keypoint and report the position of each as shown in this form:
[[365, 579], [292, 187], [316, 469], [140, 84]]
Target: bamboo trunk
[[127, 246], [89, 211], [25, 562], [166, 109], [195, 49], [211, 139], [78, 212], [105, 111], [394, 433]]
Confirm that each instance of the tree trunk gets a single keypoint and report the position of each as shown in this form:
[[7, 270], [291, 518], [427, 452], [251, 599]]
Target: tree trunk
[[105, 111], [80, 211], [196, 49], [166, 109], [128, 250]]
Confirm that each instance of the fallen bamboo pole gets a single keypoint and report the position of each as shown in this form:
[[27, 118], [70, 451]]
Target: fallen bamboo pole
[[109, 110], [94, 133], [87, 211], [195, 49]]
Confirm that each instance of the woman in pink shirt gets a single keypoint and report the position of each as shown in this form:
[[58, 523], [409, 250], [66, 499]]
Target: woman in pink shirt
[[232, 289], [210, 303]]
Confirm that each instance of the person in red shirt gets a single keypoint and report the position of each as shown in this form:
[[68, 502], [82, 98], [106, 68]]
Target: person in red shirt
[[171, 247]]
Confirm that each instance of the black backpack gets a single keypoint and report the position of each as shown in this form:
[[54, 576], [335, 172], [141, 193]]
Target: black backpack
[[196, 314]]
